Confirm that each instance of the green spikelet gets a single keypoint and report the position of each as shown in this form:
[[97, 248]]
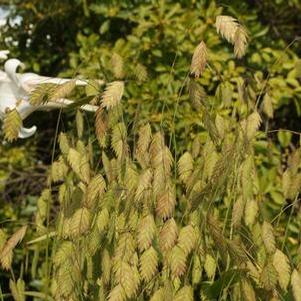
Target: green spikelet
[[210, 266], [42, 93], [80, 222], [96, 188], [106, 266], [119, 143], [146, 232], [268, 106], [63, 90], [177, 261], [79, 124], [185, 293], [58, 170], [117, 66], [117, 294], [101, 125], [64, 143], [42, 207], [159, 295], [17, 289], [248, 291], [237, 212], [6, 253], [168, 235], [296, 285], [187, 239], [148, 264], [251, 211], [12, 123], [282, 266], [112, 95], [196, 270], [185, 166], [268, 237], [268, 276], [140, 73]]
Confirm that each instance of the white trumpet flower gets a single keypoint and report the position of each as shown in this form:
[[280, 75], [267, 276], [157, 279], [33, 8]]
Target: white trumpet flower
[[4, 54], [15, 89]]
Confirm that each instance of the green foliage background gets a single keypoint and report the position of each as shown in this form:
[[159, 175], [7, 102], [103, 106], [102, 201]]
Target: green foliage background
[[153, 42]]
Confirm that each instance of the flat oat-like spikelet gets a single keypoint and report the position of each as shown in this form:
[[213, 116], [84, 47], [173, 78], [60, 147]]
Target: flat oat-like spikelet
[[177, 261], [101, 124], [166, 203], [237, 212], [146, 232], [102, 220], [67, 277], [251, 125], [251, 211], [106, 265], [296, 285], [117, 294], [148, 264], [268, 237], [111, 97], [96, 188], [17, 289], [247, 174], [79, 123], [84, 167], [62, 91], [196, 270], [210, 266], [233, 32], [197, 94], [185, 166], [157, 145], [42, 93], [253, 271], [187, 239], [145, 135], [79, 164], [168, 235], [64, 143], [226, 26], [125, 249], [64, 252], [12, 123], [240, 42], [131, 175], [185, 293], [160, 154], [74, 158], [7, 251], [144, 184], [199, 60], [127, 276], [282, 266], [117, 65], [268, 276], [3, 237], [80, 222], [140, 73], [58, 170], [118, 142], [247, 291], [160, 180], [159, 295]]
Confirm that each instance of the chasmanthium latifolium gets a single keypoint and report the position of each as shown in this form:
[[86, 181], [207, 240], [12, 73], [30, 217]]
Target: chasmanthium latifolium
[[136, 219]]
